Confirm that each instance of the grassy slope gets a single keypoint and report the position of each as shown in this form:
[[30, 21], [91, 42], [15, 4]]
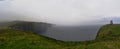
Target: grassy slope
[[108, 38]]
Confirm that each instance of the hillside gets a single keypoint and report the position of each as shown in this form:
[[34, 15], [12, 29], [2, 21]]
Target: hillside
[[107, 38]]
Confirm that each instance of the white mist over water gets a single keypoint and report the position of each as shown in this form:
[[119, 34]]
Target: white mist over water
[[61, 12]]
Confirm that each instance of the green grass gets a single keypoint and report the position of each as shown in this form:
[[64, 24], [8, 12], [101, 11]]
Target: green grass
[[107, 38]]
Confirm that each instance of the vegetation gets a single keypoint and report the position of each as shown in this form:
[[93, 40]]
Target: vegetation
[[107, 38]]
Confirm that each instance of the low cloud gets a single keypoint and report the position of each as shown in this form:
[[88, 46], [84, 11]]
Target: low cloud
[[62, 12]]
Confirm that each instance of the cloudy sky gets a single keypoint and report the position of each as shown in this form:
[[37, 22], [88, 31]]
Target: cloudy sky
[[63, 12]]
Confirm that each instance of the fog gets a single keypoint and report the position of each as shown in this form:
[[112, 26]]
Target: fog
[[61, 12]]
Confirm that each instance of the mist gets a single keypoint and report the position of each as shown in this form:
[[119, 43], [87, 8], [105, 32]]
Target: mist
[[60, 12]]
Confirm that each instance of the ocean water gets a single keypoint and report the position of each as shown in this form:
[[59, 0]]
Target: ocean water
[[64, 33], [72, 33]]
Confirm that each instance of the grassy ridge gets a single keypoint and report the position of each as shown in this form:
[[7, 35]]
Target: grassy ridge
[[109, 32], [107, 38]]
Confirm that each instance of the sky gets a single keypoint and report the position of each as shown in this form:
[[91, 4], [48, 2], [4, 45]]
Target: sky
[[61, 12]]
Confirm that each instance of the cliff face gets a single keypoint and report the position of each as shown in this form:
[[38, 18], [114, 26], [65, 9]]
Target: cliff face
[[41, 27], [31, 26]]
